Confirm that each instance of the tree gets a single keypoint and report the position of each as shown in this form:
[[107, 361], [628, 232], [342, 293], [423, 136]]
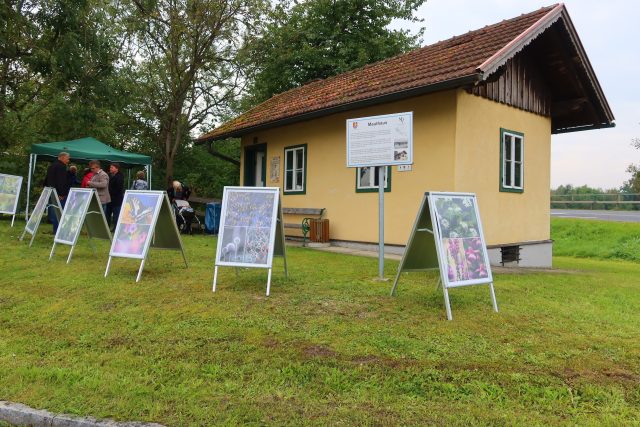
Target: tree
[[188, 55], [633, 184], [58, 77], [322, 38]]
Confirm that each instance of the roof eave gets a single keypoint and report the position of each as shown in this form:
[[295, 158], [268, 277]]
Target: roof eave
[[585, 127], [463, 81], [499, 58]]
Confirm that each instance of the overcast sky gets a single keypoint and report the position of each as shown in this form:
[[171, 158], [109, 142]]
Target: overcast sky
[[610, 33]]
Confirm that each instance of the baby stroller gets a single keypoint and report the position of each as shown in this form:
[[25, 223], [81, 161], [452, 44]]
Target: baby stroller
[[185, 216]]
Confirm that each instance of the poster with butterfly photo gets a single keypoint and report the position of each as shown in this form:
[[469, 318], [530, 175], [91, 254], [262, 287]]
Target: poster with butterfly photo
[[136, 224]]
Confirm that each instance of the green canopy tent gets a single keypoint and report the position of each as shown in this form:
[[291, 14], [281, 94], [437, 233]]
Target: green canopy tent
[[84, 149]]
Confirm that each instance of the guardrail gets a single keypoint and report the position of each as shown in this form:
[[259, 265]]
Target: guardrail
[[603, 201]]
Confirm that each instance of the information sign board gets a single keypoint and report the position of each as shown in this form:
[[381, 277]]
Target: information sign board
[[380, 140], [251, 230], [447, 234], [9, 194]]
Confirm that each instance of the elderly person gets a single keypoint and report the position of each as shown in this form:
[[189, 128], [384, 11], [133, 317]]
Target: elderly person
[[100, 181], [57, 178]]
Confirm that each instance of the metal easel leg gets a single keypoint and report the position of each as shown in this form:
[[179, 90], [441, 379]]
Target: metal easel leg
[[52, 249], [184, 257], [269, 282], [395, 283], [108, 265], [446, 302], [493, 297], [33, 236], [13, 219], [215, 278], [140, 271], [439, 283], [70, 253]]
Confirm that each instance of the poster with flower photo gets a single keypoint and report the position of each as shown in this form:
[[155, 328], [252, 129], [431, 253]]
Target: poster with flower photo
[[463, 251], [247, 228], [135, 224], [9, 193]]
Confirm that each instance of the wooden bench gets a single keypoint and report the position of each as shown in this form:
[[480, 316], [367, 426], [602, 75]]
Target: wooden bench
[[308, 213]]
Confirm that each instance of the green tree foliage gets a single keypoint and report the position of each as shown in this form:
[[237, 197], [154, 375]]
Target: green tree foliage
[[320, 38], [58, 78], [187, 54], [633, 184]]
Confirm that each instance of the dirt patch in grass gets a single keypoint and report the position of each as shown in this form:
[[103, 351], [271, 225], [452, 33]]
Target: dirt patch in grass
[[318, 350]]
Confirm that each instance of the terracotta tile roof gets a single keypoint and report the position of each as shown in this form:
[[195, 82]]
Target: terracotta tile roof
[[451, 60]]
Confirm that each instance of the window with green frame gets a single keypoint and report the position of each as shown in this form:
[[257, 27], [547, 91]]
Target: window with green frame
[[367, 179], [295, 169], [511, 161]]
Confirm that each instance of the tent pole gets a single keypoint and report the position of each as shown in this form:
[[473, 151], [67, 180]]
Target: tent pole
[[128, 178], [150, 170]]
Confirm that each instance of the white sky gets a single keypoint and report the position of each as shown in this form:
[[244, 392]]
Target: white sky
[[610, 33]]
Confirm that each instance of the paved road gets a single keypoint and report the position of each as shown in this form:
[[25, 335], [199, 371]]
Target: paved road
[[622, 216]]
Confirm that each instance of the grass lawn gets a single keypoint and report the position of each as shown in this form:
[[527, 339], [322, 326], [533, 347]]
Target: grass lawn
[[329, 346]]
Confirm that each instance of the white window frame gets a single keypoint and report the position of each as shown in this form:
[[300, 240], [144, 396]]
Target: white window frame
[[295, 187], [372, 187], [508, 166]]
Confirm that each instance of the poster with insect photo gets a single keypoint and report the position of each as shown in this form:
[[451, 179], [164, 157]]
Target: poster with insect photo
[[146, 220], [136, 223], [247, 227], [9, 193]]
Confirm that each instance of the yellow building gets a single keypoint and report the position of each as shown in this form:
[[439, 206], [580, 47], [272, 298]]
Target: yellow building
[[484, 104]]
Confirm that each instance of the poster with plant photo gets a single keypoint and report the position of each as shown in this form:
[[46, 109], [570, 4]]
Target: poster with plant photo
[[73, 216], [247, 227], [9, 193], [135, 224], [464, 252]]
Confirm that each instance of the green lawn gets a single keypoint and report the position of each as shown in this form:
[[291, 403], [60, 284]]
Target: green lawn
[[329, 346]]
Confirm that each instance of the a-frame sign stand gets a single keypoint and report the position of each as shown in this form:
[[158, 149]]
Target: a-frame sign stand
[[426, 251], [276, 247], [92, 220], [163, 234], [48, 197]]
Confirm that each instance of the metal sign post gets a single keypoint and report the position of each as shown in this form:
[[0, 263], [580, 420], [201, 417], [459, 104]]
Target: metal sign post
[[381, 172], [380, 141]]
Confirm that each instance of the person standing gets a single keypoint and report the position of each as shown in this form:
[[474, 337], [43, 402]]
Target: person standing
[[86, 178], [57, 178], [72, 176], [116, 192], [140, 183], [99, 181]]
